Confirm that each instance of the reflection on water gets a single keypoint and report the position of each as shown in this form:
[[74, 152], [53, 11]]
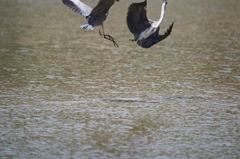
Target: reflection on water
[[66, 92]]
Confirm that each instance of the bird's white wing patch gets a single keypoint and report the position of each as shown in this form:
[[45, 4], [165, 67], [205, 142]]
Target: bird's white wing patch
[[78, 7]]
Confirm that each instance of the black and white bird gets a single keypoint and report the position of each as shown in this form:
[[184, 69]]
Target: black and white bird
[[95, 16], [145, 31]]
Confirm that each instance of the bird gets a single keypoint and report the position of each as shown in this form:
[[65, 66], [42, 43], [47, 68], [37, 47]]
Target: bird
[[94, 16], [146, 31]]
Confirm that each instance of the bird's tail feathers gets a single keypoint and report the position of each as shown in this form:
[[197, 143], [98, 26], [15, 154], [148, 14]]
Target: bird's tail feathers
[[87, 27]]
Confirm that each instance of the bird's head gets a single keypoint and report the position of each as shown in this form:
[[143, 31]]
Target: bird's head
[[165, 2]]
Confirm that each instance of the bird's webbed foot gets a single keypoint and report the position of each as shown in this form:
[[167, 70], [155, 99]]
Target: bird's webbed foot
[[108, 37]]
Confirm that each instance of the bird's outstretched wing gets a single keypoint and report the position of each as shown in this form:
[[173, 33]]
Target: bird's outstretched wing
[[137, 19], [78, 7]]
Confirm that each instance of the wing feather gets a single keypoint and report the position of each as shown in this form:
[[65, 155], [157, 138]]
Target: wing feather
[[137, 19], [78, 7]]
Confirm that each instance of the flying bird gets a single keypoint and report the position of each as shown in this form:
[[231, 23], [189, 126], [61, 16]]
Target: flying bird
[[95, 16], [145, 31]]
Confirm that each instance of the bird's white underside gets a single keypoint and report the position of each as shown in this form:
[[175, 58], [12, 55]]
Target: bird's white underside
[[87, 27]]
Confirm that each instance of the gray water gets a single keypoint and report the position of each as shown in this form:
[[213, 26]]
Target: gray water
[[68, 93]]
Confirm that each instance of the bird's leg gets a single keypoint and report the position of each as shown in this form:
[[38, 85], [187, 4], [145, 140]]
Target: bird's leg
[[105, 36], [108, 37]]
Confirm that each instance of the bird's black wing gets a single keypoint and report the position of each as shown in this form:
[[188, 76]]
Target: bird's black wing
[[137, 19], [78, 7]]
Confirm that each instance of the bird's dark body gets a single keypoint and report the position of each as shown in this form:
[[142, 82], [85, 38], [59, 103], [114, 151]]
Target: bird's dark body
[[96, 17], [155, 38], [95, 20]]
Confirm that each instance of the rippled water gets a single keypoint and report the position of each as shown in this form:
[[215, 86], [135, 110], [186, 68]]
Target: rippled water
[[68, 93]]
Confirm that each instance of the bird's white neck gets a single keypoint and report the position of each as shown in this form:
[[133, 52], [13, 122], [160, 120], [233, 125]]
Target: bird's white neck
[[164, 4]]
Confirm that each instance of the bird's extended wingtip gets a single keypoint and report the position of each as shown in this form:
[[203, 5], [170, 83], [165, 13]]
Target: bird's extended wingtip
[[173, 23], [169, 30]]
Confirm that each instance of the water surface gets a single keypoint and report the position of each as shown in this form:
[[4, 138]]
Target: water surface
[[68, 93]]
